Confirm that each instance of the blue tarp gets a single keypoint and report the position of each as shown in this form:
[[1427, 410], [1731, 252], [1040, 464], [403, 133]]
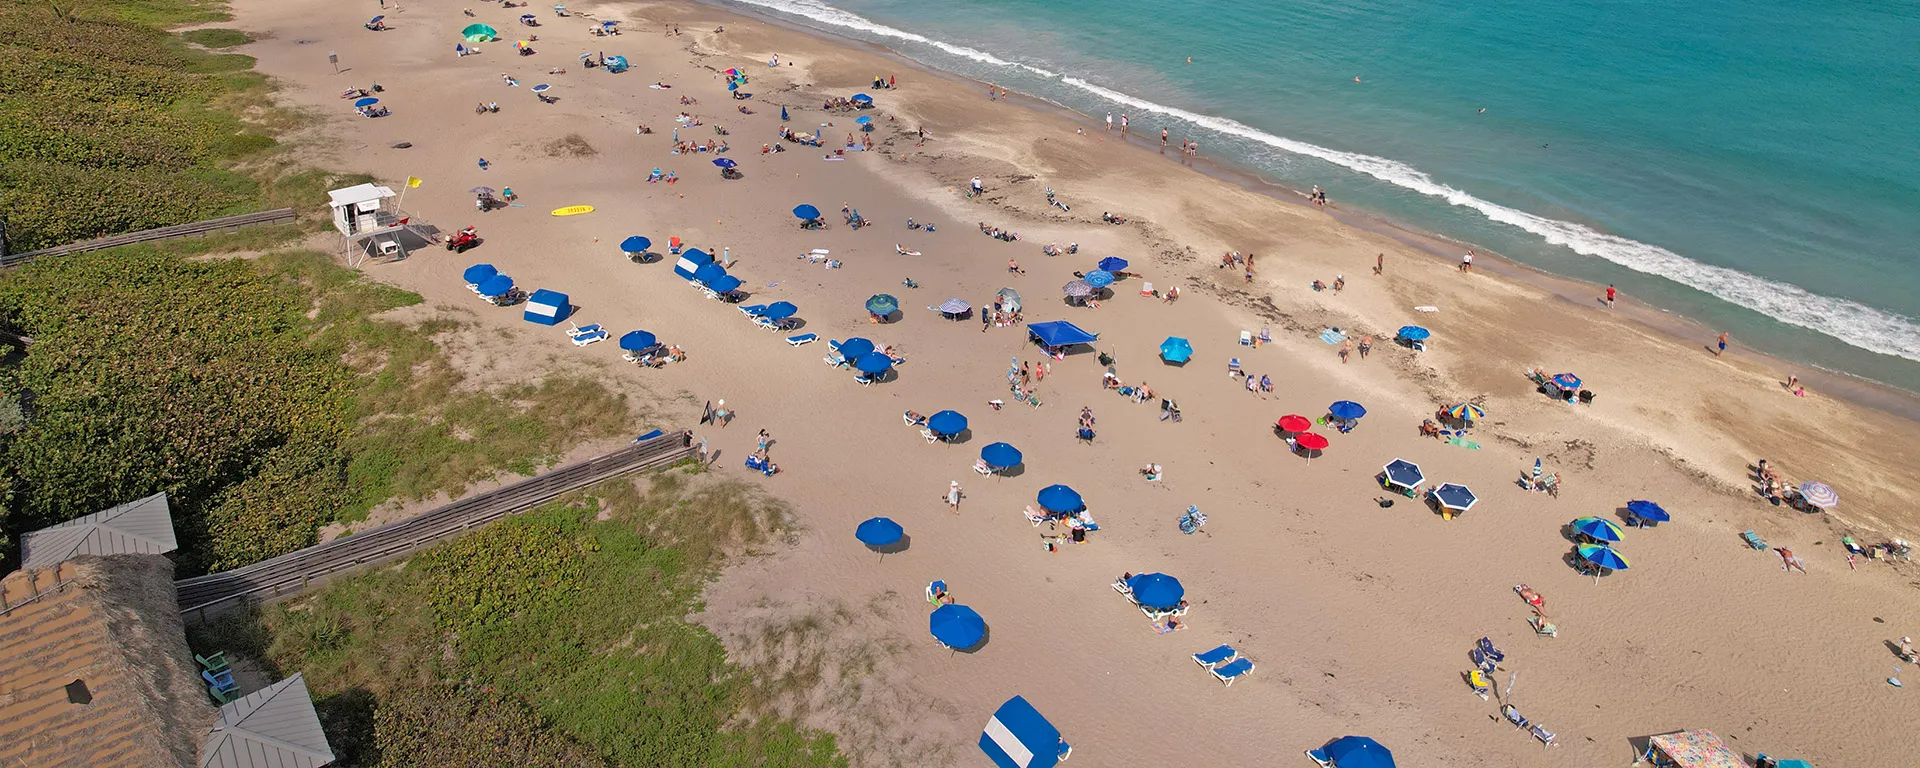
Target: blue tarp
[[1355, 752], [724, 284], [479, 273], [873, 363], [635, 341], [855, 347], [1060, 333], [635, 244], [1405, 474], [547, 307], [1346, 409], [1060, 499], [692, 260], [879, 532], [1156, 590], [1112, 264], [957, 626], [947, 423], [498, 285], [1176, 350], [1018, 737], [709, 272], [1000, 455], [780, 310]]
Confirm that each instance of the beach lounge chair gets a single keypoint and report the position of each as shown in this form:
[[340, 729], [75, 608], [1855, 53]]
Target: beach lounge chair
[[214, 663], [1217, 656], [981, 466], [1233, 367], [1120, 585], [222, 680], [1754, 540], [1545, 736], [582, 330], [865, 380], [1542, 627], [1146, 289], [1246, 338], [1266, 336], [1480, 682], [1037, 518], [1485, 646], [1513, 716], [805, 338], [935, 590], [1233, 670], [930, 436], [584, 339]]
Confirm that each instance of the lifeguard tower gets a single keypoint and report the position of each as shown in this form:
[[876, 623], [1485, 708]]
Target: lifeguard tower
[[371, 224]]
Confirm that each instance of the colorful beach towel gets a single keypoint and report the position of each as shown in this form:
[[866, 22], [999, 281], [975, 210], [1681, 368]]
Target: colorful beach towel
[[1332, 336], [1463, 443]]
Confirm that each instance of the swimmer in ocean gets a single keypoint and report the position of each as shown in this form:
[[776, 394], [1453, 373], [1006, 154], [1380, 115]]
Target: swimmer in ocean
[[1483, 110]]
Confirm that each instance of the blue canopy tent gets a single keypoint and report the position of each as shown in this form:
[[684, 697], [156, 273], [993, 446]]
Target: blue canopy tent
[[1099, 278], [1404, 474], [861, 98], [873, 363], [636, 245], [690, 261], [1645, 514], [1346, 410], [855, 347], [1060, 333], [879, 532], [957, 626], [725, 284], [638, 341], [1060, 499], [780, 310], [1112, 264], [1000, 456], [547, 307], [1176, 350], [496, 286], [882, 304], [804, 212], [1353, 752], [1156, 590], [947, 423], [478, 273], [1018, 737], [709, 272]]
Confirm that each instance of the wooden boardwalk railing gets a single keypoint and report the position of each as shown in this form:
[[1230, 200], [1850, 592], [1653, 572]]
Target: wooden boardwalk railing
[[196, 229]]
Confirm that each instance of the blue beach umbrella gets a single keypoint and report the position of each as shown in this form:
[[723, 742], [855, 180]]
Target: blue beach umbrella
[[1356, 752], [1405, 474], [498, 285], [879, 532], [1112, 264], [366, 102], [1176, 350], [860, 97], [873, 363], [724, 284], [725, 162], [1604, 557], [709, 272], [1454, 496], [1000, 455], [376, 19], [1156, 590], [780, 310], [1099, 278], [636, 341], [947, 423], [542, 88], [615, 63], [1414, 333], [1598, 528], [804, 212], [1060, 499], [863, 119], [855, 347], [882, 304], [1649, 511], [957, 626], [1346, 410], [479, 273], [635, 244]]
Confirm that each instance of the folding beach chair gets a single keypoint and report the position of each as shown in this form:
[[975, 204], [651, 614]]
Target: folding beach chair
[[1246, 338], [1146, 289]]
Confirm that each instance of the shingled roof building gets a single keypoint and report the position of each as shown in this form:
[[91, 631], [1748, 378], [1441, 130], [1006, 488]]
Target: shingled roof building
[[95, 669]]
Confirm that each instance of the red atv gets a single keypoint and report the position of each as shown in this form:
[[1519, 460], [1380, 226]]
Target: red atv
[[462, 240]]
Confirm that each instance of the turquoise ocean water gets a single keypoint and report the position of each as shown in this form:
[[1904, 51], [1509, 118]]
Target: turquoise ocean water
[[1753, 165]]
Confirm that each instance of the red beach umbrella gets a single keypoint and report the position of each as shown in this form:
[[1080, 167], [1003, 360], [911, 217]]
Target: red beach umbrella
[[1310, 441], [1294, 422]]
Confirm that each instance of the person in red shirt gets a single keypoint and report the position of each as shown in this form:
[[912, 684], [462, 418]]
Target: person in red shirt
[[1612, 293]]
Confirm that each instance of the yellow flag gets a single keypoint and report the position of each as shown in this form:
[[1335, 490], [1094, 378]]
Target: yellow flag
[[413, 182]]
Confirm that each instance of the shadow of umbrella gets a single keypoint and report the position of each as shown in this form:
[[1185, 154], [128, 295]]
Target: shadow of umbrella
[[906, 540]]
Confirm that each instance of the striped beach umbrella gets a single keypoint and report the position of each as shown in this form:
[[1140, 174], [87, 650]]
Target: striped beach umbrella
[[1467, 412], [1605, 557], [1820, 495], [882, 304], [1099, 278], [1078, 289], [1598, 528]]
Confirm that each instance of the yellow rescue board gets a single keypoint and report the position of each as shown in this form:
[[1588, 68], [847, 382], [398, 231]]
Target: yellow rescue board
[[573, 210]]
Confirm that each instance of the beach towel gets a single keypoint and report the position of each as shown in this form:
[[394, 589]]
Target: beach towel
[[1426, 309], [1463, 443], [1332, 336]]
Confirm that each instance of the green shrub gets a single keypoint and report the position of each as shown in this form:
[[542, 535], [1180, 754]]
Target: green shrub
[[448, 725], [216, 38]]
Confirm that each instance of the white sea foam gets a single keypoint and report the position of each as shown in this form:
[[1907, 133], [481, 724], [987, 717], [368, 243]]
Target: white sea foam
[[1851, 322]]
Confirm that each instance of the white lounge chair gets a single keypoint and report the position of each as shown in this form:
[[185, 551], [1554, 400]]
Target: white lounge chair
[[579, 330], [930, 436], [1215, 657], [584, 339], [1233, 670], [805, 338], [865, 380], [980, 466]]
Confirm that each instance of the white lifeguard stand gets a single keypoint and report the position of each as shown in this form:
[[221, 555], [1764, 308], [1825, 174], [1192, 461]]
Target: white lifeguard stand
[[371, 223]]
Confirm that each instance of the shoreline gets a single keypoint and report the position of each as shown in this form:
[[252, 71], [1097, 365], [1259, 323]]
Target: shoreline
[[1856, 388]]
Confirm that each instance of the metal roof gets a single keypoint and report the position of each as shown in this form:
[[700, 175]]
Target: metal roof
[[359, 193], [274, 727], [143, 527]]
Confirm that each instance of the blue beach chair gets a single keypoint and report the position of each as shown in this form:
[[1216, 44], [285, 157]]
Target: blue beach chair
[[1233, 670], [1217, 656]]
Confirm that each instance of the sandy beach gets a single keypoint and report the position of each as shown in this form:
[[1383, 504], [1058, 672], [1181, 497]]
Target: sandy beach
[[1359, 618]]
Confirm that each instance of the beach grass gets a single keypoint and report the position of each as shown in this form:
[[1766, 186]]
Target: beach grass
[[575, 612], [214, 37]]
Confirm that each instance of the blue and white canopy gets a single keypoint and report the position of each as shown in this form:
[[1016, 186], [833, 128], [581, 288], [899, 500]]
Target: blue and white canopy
[[1018, 737], [1405, 474], [693, 259], [547, 307], [1060, 333]]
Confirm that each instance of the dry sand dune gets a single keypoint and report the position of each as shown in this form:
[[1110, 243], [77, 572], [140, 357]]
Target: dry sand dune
[[1360, 618]]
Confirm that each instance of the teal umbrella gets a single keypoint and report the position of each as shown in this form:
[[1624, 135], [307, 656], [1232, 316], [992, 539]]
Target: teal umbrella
[[1176, 350], [1598, 529], [882, 304]]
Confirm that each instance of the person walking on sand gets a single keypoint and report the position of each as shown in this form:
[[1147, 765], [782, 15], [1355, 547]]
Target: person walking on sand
[[954, 495], [1466, 262], [721, 415], [765, 440], [1722, 348], [1346, 348], [1163, 141], [1366, 345], [1109, 122], [1339, 284], [1612, 293], [1380, 264], [1123, 125]]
